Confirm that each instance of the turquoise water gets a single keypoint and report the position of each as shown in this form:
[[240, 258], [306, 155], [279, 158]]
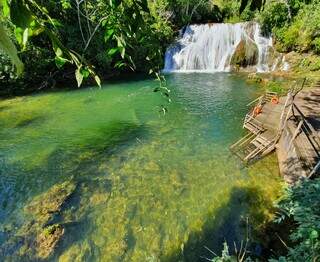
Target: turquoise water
[[147, 186]]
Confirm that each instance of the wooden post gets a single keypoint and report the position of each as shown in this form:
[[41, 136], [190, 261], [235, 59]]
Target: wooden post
[[296, 132], [315, 169], [281, 124]]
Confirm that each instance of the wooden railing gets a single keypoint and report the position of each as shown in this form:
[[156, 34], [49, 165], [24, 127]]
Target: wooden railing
[[250, 119], [301, 145], [242, 141]]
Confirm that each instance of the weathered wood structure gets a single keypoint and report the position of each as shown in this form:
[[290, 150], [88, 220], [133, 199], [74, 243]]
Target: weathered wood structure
[[278, 123]]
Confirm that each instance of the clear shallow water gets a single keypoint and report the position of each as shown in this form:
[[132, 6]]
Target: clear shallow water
[[149, 187]]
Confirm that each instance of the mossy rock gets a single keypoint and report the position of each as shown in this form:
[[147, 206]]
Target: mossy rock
[[37, 238], [47, 204], [47, 240], [254, 78], [246, 54]]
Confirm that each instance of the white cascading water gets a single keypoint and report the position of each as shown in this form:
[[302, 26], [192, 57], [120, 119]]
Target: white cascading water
[[209, 47]]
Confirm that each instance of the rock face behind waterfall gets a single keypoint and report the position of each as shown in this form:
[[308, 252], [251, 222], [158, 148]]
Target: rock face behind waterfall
[[220, 47], [245, 54]]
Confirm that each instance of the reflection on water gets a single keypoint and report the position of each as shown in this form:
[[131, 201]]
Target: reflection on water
[[145, 186]]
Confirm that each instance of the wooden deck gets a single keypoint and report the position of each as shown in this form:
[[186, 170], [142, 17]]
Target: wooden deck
[[270, 115], [264, 128], [303, 127], [292, 125]]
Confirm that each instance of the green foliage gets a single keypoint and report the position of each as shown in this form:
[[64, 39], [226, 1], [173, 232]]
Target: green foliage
[[182, 12], [30, 19], [7, 46], [302, 204], [316, 44], [253, 5], [308, 63], [295, 24], [299, 204], [274, 86], [274, 15], [7, 71], [225, 256], [49, 230], [93, 36]]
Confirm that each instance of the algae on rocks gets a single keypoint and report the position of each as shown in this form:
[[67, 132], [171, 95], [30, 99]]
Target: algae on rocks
[[39, 236], [44, 206]]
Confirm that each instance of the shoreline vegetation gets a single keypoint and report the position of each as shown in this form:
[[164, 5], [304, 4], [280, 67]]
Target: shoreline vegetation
[[115, 50], [74, 43]]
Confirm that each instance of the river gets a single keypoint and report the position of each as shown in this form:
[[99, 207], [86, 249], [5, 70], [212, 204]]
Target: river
[[149, 186]]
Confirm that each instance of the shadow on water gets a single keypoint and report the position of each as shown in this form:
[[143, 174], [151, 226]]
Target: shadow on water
[[4, 107], [74, 217], [235, 220], [81, 156], [82, 163], [35, 120], [113, 137]]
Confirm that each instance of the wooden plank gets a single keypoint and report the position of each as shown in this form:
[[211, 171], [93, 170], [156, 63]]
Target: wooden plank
[[243, 140], [314, 170], [296, 132], [253, 154]]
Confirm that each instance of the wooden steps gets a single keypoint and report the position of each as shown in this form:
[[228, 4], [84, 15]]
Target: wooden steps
[[253, 125], [268, 126], [252, 146], [260, 140], [268, 96]]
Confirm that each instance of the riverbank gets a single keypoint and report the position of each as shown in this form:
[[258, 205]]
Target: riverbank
[[299, 146], [65, 81], [288, 124]]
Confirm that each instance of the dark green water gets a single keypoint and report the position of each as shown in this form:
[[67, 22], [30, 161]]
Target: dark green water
[[149, 187]]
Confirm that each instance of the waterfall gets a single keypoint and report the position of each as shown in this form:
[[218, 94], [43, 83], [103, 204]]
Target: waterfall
[[210, 48]]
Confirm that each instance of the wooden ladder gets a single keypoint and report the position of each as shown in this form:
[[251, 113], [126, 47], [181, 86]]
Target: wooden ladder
[[262, 146], [252, 146]]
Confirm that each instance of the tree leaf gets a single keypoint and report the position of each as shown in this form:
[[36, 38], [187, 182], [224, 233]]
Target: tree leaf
[[25, 37], [5, 8], [97, 79], [84, 72], [243, 5], [119, 64], [79, 76], [20, 14], [56, 23], [314, 234], [123, 51], [9, 49], [109, 34], [115, 3], [144, 5], [112, 51], [18, 34], [60, 61]]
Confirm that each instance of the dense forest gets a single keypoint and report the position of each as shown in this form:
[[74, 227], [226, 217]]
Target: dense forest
[[105, 38], [48, 43]]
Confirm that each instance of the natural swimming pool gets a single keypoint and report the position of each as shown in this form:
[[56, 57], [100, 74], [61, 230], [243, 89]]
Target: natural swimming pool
[[146, 186]]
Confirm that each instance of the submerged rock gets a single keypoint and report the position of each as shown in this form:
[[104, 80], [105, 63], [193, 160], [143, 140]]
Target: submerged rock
[[38, 237], [246, 54], [48, 239], [44, 206]]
